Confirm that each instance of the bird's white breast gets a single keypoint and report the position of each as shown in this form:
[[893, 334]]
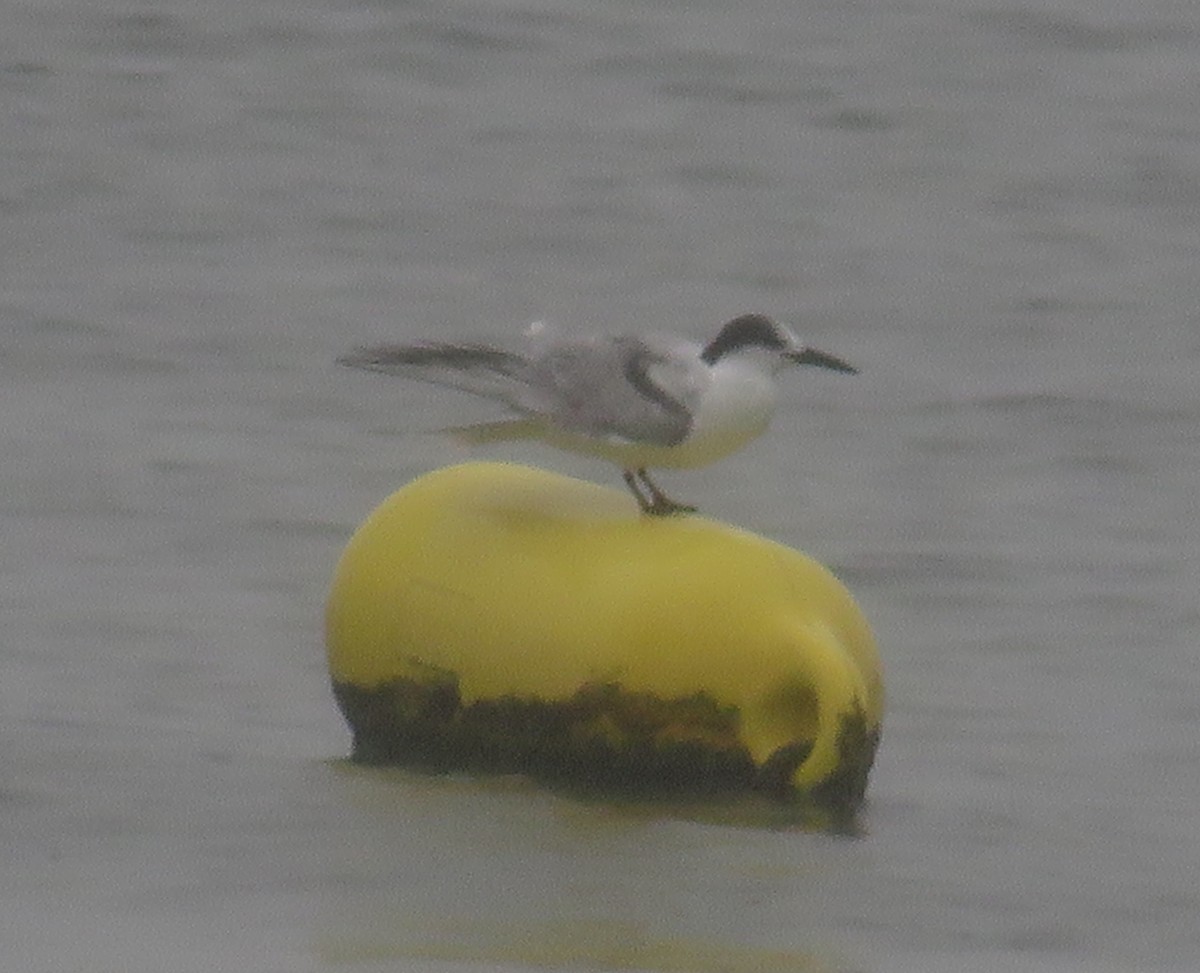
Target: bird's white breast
[[735, 408]]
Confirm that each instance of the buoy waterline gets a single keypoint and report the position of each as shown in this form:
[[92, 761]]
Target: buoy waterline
[[496, 617]]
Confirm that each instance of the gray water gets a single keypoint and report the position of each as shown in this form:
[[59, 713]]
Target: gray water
[[991, 207]]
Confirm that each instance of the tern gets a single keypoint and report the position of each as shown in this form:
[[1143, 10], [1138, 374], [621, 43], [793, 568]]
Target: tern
[[638, 400]]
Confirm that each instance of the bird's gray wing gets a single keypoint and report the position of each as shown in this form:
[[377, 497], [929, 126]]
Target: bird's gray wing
[[623, 387], [480, 369]]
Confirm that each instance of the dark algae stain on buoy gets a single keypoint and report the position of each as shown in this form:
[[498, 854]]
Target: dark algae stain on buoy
[[601, 737], [598, 735]]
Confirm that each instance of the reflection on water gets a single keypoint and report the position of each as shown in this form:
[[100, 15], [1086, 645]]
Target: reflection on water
[[581, 944], [743, 811], [539, 904]]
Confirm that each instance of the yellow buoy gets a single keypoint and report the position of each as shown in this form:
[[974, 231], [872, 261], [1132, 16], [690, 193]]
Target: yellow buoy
[[496, 617]]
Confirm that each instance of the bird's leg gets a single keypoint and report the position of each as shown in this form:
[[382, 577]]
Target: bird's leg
[[660, 504], [632, 483]]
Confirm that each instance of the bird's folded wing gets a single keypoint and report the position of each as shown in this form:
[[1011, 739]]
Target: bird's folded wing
[[613, 388]]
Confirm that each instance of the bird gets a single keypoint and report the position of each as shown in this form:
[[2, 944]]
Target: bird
[[639, 400]]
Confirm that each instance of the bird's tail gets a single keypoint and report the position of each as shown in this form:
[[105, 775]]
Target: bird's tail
[[480, 369]]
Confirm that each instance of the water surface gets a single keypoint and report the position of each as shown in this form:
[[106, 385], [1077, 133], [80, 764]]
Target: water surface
[[991, 209]]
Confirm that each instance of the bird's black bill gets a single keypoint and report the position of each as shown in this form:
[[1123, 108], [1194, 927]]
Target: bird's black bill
[[810, 356]]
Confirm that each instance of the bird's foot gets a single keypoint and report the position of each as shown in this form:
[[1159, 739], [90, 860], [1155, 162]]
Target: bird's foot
[[665, 507], [654, 502]]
